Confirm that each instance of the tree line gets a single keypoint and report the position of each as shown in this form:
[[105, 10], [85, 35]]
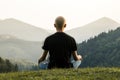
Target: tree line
[[102, 50], [7, 66]]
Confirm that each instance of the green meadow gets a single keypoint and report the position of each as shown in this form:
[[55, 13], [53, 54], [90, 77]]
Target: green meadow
[[65, 74]]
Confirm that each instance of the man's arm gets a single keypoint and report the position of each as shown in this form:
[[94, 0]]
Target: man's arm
[[43, 56], [76, 56]]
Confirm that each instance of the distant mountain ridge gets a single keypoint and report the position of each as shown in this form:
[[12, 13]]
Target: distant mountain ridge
[[21, 52], [20, 49], [22, 30], [22, 42], [29, 32], [93, 29], [7, 36]]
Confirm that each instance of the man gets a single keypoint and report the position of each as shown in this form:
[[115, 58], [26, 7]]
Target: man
[[60, 47]]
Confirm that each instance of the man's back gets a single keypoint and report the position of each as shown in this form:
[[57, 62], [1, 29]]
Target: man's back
[[60, 47]]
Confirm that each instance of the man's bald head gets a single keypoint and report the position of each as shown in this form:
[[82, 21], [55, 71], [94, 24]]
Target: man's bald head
[[60, 22]]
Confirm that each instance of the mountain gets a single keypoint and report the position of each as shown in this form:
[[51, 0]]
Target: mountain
[[102, 50], [20, 51], [21, 42], [22, 30], [29, 32], [93, 29]]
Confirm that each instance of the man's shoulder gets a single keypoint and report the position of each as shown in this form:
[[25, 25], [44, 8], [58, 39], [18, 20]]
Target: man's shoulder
[[50, 36], [69, 36], [63, 34]]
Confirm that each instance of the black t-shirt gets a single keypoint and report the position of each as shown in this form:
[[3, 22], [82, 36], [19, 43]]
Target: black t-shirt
[[60, 46]]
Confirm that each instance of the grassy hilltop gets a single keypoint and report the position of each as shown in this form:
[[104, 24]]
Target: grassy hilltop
[[65, 74]]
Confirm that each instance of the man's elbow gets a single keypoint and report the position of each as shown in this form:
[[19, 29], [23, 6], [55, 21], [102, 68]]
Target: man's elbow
[[78, 57]]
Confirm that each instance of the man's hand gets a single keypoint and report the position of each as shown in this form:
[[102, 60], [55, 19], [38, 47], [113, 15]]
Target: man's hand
[[76, 56], [43, 56], [80, 57]]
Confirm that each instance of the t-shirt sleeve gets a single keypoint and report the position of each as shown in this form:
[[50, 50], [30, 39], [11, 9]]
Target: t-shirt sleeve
[[73, 46], [45, 45]]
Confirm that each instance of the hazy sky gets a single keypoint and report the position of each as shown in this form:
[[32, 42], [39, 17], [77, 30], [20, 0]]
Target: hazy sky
[[42, 13]]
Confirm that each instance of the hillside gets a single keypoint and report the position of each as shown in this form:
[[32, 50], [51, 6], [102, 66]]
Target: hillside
[[93, 29], [65, 74], [102, 50], [22, 30], [19, 51], [7, 66], [21, 42]]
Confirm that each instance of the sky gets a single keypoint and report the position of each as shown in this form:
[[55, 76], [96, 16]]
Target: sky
[[42, 13]]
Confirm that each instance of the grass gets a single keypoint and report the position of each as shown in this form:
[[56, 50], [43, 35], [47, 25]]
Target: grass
[[65, 74]]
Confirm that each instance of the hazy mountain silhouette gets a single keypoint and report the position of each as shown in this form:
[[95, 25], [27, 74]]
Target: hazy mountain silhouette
[[22, 30], [21, 42], [20, 51], [31, 33], [92, 29]]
